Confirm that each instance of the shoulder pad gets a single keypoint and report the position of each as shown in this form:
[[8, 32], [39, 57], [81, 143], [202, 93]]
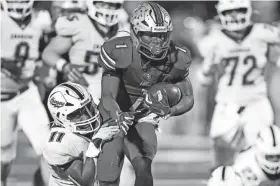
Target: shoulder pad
[[59, 153], [43, 21], [67, 25], [267, 32], [116, 53]]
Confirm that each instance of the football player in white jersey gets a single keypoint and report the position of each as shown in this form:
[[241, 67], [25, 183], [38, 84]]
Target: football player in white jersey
[[81, 36], [225, 176], [21, 31], [259, 165], [76, 136], [236, 56]]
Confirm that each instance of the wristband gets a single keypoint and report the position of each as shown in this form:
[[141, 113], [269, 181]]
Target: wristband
[[60, 63], [92, 151]]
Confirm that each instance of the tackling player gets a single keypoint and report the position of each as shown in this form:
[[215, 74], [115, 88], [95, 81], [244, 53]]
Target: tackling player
[[81, 36], [133, 67], [236, 56], [22, 28], [225, 176], [76, 136], [259, 165]]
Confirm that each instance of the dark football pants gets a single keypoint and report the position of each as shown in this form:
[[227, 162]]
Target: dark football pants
[[141, 141]]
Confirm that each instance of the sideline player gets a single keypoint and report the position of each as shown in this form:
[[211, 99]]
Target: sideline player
[[76, 136], [133, 65], [259, 165], [225, 176], [22, 28], [236, 56], [81, 36]]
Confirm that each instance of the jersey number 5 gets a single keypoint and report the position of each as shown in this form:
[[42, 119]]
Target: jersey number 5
[[56, 136], [92, 66], [249, 60]]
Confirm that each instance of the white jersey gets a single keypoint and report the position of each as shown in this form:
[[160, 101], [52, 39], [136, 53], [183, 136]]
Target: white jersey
[[244, 62], [22, 42], [63, 147], [247, 166], [87, 40]]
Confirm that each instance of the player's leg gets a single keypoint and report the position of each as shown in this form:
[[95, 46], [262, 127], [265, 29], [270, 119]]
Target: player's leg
[[226, 134], [34, 121], [8, 137], [140, 148], [256, 116], [110, 162], [127, 175]]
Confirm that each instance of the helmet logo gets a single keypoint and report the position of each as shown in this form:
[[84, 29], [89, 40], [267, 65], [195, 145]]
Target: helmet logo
[[57, 100], [159, 29]]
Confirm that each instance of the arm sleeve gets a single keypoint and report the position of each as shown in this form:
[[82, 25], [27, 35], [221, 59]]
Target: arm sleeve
[[187, 101], [109, 88]]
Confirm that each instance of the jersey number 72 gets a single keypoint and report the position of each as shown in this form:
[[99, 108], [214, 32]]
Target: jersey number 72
[[248, 60]]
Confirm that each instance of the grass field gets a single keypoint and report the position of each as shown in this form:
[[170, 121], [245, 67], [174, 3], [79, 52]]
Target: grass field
[[184, 163]]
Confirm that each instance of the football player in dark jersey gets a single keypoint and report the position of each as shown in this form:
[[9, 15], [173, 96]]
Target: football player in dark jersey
[[132, 65]]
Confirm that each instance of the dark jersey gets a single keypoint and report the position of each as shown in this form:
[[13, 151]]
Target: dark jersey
[[120, 56]]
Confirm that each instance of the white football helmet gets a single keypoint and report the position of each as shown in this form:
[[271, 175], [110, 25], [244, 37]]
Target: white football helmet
[[268, 149], [153, 20], [225, 176], [105, 12], [17, 9], [72, 106], [70, 4], [238, 21]]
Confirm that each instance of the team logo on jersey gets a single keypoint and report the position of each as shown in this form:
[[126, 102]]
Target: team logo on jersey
[[57, 100]]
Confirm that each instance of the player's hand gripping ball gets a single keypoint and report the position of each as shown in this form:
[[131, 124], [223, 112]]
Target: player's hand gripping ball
[[161, 97]]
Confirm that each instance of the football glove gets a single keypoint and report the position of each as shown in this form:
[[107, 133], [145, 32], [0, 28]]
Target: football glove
[[125, 120], [71, 73], [104, 134], [157, 103]]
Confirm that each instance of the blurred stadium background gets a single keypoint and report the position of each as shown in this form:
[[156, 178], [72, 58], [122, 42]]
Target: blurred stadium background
[[184, 148]]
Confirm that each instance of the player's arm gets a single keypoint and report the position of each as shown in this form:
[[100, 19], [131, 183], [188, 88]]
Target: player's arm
[[109, 89], [66, 28], [52, 54], [79, 172], [187, 101], [207, 70], [113, 62], [273, 76]]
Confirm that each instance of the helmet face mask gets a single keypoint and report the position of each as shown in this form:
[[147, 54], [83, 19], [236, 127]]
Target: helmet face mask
[[268, 150], [73, 108], [18, 9], [105, 12], [154, 45], [151, 28], [234, 15]]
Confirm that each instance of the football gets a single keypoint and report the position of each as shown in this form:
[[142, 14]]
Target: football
[[166, 93]]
